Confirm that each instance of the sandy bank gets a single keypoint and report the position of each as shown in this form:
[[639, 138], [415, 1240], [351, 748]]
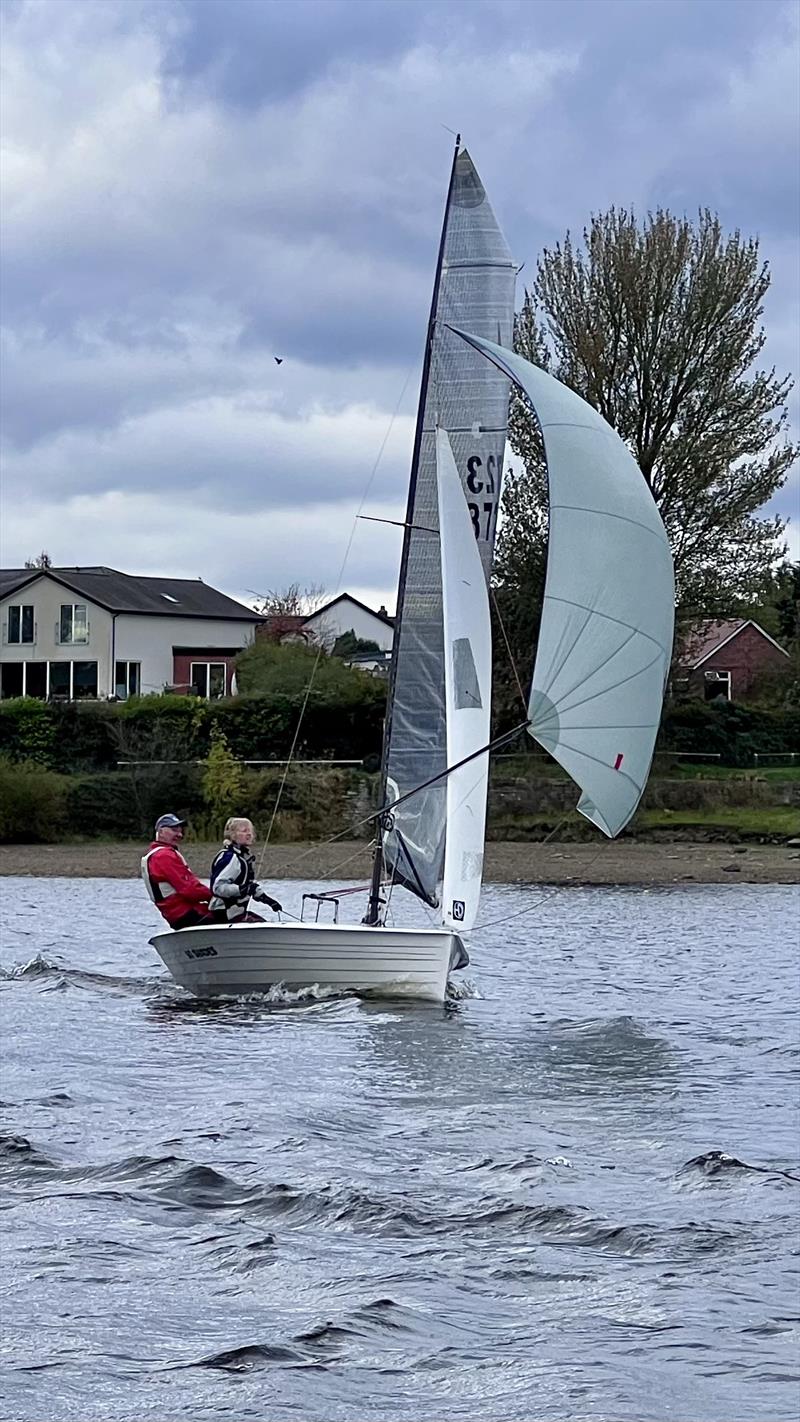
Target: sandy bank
[[510, 863]]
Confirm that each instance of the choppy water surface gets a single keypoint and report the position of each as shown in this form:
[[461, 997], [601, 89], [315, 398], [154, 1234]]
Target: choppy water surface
[[514, 1208]]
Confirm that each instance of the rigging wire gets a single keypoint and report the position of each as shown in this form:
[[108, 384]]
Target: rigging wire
[[320, 649], [552, 890], [512, 663]]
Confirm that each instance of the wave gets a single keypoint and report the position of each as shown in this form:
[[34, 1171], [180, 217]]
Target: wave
[[172, 1183], [60, 977], [713, 1163], [319, 1344]]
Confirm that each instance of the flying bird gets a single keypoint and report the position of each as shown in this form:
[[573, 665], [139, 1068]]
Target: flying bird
[[278, 360]]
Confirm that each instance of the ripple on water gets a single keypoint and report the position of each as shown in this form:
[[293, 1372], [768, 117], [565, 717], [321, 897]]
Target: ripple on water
[[566, 1194]]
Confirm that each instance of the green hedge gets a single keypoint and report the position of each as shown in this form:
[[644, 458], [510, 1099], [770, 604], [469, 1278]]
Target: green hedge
[[96, 736], [121, 804], [39, 805], [729, 730], [32, 803]]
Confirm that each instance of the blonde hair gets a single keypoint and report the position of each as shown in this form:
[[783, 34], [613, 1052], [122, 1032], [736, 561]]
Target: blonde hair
[[234, 824]]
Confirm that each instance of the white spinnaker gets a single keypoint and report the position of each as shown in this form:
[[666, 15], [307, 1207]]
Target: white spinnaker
[[468, 685], [608, 617]]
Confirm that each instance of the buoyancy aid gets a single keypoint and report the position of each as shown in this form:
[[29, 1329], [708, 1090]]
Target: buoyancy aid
[[170, 883], [233, 879]]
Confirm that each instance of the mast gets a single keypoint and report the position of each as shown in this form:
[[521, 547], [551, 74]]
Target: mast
[[373, 909]]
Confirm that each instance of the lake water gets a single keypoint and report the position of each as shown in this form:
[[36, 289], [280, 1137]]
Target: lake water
[[510, 1209]]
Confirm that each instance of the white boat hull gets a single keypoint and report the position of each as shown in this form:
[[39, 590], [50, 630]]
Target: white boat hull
[[228, 961]]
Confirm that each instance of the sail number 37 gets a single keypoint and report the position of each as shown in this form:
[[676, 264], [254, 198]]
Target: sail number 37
[[482, 479]]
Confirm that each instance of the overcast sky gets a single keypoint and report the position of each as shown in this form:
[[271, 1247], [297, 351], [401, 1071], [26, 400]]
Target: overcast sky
[[195, 186]]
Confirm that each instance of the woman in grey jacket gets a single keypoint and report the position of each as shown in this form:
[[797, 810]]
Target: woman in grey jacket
[[233, 875]]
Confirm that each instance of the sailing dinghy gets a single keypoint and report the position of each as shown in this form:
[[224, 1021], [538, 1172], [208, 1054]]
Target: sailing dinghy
[[603, 648], [439, 697]]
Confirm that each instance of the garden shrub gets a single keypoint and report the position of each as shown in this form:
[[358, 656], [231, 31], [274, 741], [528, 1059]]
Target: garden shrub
[[32, 802]]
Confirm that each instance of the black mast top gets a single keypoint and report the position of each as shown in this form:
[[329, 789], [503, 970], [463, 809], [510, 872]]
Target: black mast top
[[373, 910]]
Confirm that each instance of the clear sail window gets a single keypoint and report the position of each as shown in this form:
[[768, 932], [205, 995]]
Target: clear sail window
[[465, 677], [20, 626], [127, 679], [73, 623]]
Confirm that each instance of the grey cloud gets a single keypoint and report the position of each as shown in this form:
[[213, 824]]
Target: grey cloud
[[217, 183]]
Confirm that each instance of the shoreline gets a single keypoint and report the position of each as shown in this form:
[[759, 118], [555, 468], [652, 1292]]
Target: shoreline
[[512, 862]]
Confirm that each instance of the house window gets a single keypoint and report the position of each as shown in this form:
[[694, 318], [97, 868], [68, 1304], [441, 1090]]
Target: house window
[[717, 683], [68, 680], [84, 680], [36, 680], [127, 679], [73, 625], [207, 679], [20, 623], [11, 679], [60, 680]]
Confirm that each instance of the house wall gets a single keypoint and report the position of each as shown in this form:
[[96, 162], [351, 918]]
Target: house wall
[[748, 656], [125, 637], [150, 640], [348, 617], [47, 597]]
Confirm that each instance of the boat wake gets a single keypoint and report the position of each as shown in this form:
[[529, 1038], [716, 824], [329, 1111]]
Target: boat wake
[[58, 977], [173, 1001]]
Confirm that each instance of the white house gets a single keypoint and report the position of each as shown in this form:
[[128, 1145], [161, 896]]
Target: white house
[[96, 632], [347, 614]]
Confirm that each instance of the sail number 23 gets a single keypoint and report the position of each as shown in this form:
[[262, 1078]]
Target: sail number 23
[[482, 479]]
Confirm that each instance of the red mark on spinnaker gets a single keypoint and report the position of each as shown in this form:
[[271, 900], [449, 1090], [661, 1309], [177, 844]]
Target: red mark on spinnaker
[[618, 761]]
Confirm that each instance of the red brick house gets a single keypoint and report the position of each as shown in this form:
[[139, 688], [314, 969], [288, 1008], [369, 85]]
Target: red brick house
[[728, 658]]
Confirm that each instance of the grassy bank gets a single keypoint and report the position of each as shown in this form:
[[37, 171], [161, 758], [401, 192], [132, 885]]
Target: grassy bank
[[730, 824]]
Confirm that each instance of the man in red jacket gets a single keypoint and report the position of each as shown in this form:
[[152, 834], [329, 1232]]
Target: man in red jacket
[[178, 895]]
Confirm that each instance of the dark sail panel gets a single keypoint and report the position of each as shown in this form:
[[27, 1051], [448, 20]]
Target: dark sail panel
[[468, 398]]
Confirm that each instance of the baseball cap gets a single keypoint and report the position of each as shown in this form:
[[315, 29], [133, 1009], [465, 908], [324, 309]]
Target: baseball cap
[[169, 822]]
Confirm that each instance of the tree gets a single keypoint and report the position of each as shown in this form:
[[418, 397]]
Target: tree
[[266, 669], [42, 560], [777, 610], [292, 601], [223, 780], [348, 645], [517, 587], [658, 327]]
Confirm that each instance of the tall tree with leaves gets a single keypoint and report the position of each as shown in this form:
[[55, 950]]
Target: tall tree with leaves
[[658, 326]]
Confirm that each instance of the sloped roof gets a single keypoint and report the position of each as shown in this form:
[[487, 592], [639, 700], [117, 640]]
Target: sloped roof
[[348, 597], [124, 592], [705, 638]]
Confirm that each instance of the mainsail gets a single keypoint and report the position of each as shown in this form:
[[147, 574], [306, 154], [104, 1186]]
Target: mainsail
[[468, 695], [607, 625], [468, 398]]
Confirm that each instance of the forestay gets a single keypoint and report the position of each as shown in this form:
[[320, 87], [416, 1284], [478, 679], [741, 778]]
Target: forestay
[[468, 694], [607, 625], [468, 398]]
